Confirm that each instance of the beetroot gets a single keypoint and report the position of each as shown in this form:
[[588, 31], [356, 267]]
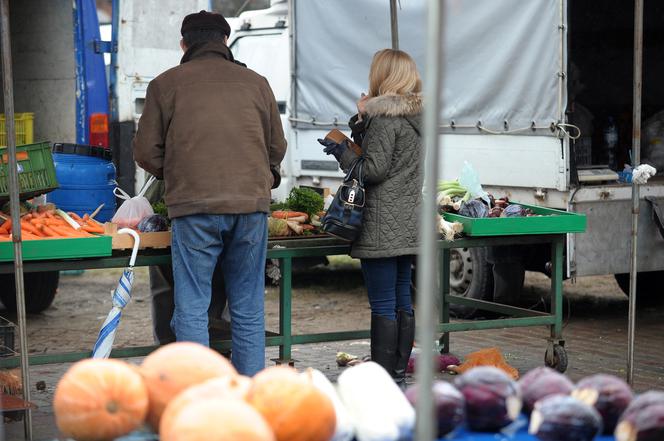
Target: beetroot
[[449, 406], [540, 383], [493, 399], [564, 418], [609, 394], [442, 362], [643, 420]]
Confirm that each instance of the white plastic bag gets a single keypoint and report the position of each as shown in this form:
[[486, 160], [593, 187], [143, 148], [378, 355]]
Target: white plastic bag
[[133, 210], [470, 180]]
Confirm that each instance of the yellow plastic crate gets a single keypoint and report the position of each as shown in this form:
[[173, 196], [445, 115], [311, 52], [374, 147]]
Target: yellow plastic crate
[[23, 122]]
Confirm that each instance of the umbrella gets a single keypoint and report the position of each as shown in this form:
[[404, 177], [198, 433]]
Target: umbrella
[[121, 297]]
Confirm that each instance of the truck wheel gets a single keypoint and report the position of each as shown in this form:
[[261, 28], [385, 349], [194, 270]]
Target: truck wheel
[[648, 285], [471, 276], [40, 289]]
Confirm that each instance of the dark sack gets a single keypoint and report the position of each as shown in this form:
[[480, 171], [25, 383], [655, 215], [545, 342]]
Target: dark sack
[[344, 216]]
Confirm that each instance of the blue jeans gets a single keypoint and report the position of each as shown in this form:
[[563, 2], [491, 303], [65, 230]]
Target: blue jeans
[[388, 284], [240, 242]]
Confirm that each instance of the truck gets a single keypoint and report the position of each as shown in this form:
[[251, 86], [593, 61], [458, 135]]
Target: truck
[[61, 77], [537, 97]]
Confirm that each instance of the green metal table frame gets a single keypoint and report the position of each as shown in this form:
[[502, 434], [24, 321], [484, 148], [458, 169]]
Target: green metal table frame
[[286, 250]]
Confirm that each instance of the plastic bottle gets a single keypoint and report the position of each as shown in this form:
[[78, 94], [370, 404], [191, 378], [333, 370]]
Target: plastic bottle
[[611, 142]]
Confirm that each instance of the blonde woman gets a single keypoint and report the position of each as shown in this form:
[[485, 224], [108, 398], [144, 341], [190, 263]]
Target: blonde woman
[[387, 126]]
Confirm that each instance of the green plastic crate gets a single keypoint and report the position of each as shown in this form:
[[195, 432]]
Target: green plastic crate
[[36, 171], [47, 249], [551, 222]]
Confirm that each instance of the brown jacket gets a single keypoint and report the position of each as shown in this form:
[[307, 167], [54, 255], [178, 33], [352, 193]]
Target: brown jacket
[[211, 129]]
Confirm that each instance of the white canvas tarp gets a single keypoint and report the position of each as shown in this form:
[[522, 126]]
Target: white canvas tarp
[[503, 59]]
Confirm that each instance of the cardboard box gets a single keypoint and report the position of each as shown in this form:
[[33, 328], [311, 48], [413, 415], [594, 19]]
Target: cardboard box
[[159, 239]]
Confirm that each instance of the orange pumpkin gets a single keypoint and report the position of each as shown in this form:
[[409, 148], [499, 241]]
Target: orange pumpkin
[[223, 388], [217, 419], [292, 405], [99, 399], [172, 368]]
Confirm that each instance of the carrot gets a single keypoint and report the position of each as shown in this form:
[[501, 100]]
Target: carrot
[[75, 216], [29, 228], [92, 228], [36, 222], [29, 236], [49, 214], [307, 227], [5, 238], [283, 214], [6, 226], [27, 216], [48, 231], [62, 231]]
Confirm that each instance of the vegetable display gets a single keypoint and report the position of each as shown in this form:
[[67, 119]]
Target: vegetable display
[[188, 392], [153, 223], [292, 405], [610, 395], [492, 398], [643, 420], [564, 418], [305, 200], [99, 399], [172, 368], [46, 221], [540, 383], [449, 406], [300, 215]]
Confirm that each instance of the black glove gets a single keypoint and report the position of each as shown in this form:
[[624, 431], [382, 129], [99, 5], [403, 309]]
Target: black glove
[[332, 148]]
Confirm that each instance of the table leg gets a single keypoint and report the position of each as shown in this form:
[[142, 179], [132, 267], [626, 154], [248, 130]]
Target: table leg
[[444, 341], [557, 287], [285, 303]]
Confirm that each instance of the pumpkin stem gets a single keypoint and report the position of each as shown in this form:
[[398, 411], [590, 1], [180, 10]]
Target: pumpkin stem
[[112, 407]]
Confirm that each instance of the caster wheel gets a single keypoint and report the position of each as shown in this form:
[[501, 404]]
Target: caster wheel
[[556, 358]]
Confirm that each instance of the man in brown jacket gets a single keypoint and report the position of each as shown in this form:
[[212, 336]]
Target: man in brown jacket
[[211, 130]]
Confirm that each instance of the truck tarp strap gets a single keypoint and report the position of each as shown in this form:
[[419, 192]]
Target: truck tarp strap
[[657, 214]]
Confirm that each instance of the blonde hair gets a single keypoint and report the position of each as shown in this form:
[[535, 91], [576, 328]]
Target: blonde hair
[[393, 72]]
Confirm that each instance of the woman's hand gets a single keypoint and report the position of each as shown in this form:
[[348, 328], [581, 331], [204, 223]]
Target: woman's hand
[[361, 105]]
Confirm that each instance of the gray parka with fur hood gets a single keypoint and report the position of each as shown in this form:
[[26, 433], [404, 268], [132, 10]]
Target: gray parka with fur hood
[[391, 145]]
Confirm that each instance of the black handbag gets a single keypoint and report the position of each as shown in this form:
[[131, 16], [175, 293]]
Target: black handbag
[[344, 216]]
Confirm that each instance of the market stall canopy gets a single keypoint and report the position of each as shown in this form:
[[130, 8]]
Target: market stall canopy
[[502, 61]]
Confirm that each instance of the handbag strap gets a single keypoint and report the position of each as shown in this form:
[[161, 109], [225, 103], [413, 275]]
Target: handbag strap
[[359, 163]]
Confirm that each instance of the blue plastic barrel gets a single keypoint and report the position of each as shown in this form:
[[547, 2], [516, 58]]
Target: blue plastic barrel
[[87, 178]]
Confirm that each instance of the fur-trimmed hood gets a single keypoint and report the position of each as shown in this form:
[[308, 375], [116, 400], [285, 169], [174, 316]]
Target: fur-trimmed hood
[[394, 105]]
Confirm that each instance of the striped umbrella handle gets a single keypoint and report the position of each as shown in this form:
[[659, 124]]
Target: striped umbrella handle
[[137, 242]]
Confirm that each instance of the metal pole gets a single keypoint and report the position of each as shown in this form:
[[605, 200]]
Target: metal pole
[[293, 65], [427, 264], [12, 167], [636, 160], [394, 24], [113, 71]]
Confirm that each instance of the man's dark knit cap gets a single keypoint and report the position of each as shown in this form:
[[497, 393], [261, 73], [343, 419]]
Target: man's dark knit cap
[[207, 21]]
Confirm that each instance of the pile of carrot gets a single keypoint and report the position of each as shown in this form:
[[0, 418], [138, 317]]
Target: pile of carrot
[[48, 224]]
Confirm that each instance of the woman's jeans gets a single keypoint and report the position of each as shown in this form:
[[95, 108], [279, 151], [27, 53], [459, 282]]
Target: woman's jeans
[[240, 243], [388, 284]]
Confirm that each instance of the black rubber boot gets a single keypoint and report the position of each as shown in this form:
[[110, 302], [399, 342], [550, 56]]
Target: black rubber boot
[[405, 339], [384, 342]]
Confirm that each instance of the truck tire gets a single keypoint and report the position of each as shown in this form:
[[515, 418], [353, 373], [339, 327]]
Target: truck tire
[[40, 289], [471, 276], [648, 286]]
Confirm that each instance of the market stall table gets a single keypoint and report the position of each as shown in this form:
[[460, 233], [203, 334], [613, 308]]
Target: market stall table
[[286, 250]]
